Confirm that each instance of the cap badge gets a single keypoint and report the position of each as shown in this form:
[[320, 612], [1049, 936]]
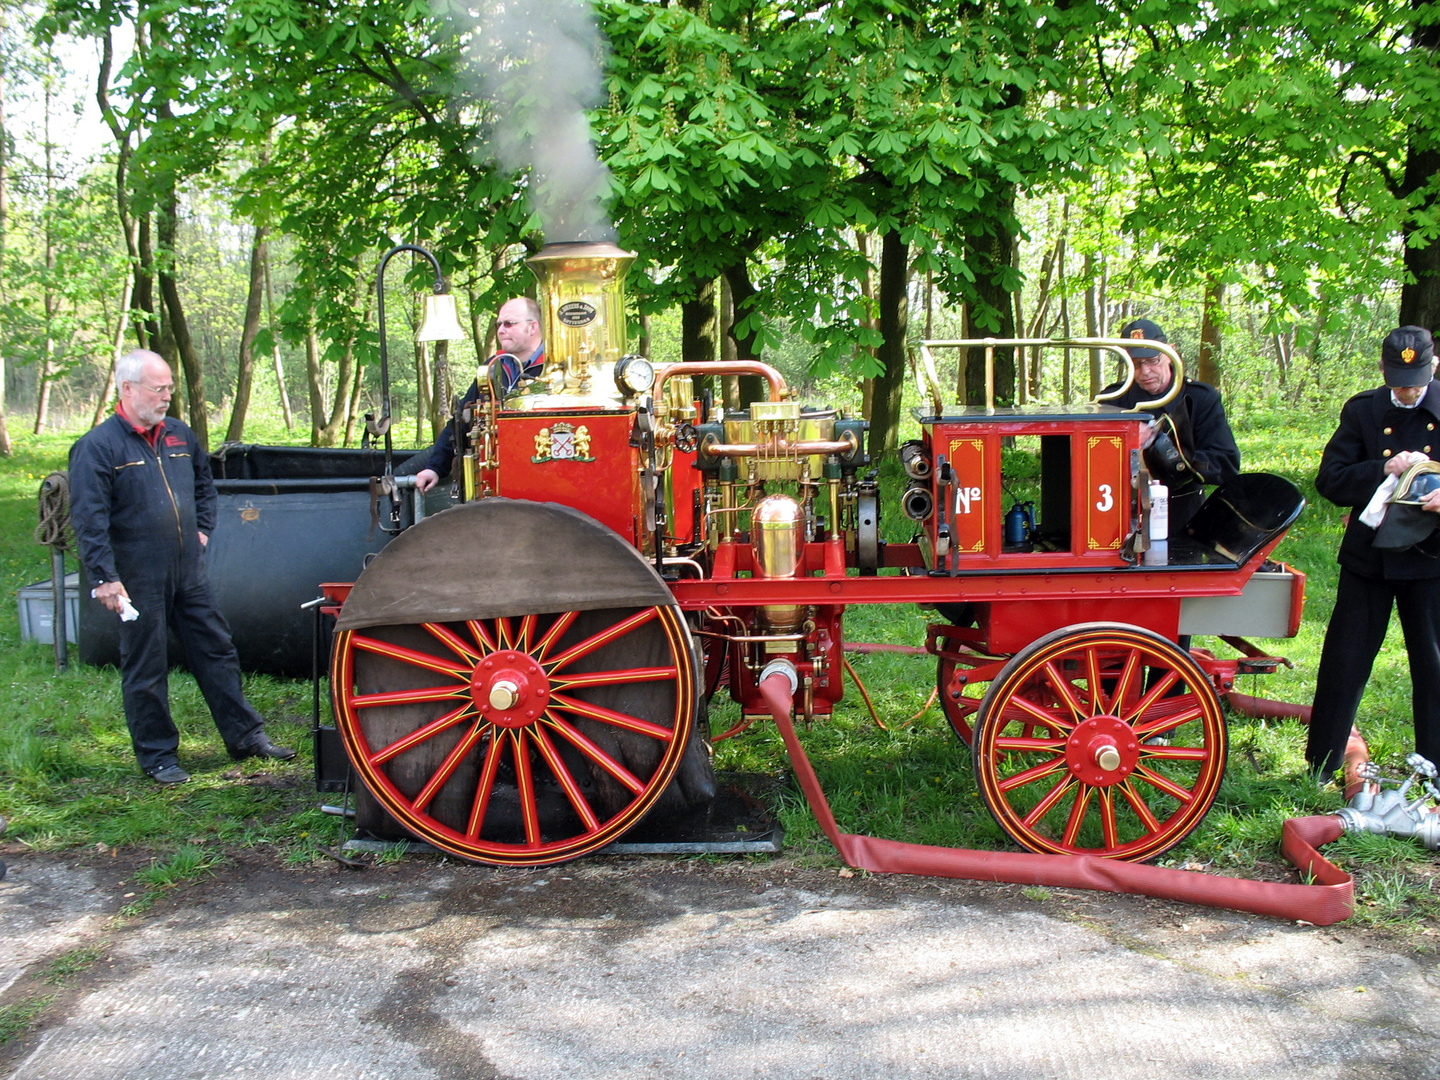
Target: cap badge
[[1407, 355], [1138, 334]]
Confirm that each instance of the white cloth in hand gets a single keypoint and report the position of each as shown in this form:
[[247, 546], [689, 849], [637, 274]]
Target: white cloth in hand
[[1374, 512]]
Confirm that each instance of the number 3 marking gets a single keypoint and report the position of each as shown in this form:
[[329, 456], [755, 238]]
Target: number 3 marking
[[1106, 502]]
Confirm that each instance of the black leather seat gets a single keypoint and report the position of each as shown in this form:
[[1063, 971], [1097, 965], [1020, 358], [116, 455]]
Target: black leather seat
[[1242, 515]]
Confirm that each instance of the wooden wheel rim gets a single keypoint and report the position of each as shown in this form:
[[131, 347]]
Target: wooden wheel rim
[[1123, 773], [475, 665]]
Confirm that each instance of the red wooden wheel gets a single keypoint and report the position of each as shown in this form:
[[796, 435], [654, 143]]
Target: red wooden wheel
[[961, 686], [523, 741], [1100, 740]]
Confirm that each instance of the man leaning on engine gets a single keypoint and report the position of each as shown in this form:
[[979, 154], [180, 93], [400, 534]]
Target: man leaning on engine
[[1189, 443], [522, 355], [143, 506], [1378, 463]]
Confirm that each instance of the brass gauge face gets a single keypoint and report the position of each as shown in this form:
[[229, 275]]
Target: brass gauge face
[[634, 375]]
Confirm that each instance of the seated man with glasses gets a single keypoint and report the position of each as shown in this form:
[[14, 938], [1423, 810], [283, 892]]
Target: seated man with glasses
[[521, 356], [1189, 443], [143, 506]]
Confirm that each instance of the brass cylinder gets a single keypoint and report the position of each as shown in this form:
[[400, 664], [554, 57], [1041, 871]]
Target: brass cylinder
[[582, 308], [777, 535]]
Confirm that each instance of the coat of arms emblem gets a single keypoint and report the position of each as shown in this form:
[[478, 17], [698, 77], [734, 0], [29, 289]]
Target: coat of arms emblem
[[562, 442]]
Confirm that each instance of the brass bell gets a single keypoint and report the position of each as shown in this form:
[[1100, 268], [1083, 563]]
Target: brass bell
[[441, 321]]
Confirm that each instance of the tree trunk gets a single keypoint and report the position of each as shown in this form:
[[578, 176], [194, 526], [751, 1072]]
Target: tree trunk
[[1207, 366], [136, 233], [700, 332], [992, 314], [5, 446], [352, 408], [117, 346], [1067, 380], [1420, 297], [245, 371], [1092, 322], [313, 381], [285, 409], [894, 325], [47, 371], [339, 410], [730, 385], [424, 392], [179, 328], [742, 291], [147, 325], [700, 325], [1036, 328], [867, 290]]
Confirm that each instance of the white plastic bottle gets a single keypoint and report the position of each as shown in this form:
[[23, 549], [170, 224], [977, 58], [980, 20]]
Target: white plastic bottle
[[1159, 511]]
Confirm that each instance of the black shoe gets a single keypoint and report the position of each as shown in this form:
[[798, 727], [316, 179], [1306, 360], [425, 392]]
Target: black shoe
[[169, 774], [261, 746]]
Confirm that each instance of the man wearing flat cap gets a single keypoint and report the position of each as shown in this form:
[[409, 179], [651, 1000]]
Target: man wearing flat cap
[[1378, 464], [1189, 444]]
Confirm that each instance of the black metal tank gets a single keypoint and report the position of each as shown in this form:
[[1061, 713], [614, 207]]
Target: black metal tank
[[289, 517]]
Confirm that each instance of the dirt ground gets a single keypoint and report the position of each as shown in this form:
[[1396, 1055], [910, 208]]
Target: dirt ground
[[727, 968]]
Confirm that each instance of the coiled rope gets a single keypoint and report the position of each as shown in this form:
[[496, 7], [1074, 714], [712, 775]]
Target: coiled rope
[[54, 529]]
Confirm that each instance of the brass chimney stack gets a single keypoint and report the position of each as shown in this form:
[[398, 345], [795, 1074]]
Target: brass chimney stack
[[582, 309]]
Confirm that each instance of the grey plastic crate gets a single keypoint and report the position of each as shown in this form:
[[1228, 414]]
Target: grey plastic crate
[[37, 611]]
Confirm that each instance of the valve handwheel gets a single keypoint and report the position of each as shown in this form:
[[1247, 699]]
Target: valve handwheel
[[1100, 739]]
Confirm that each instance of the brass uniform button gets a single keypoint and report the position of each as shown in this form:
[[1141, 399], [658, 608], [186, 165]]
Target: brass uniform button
[[1384, 453], [1388, 431], [1427, 449]]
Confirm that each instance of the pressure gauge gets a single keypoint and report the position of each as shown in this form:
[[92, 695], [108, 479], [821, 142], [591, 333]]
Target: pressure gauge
[[634, 375]]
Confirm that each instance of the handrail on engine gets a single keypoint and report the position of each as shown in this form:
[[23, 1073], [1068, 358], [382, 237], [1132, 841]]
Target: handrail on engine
[[930, 382]]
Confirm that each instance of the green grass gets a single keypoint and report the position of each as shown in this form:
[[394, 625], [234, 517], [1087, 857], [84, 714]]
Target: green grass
[[68, 965], [16, 1018], [68, 779]]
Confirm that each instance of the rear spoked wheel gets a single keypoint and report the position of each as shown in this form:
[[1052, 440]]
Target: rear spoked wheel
[[522, 740], [1100, 740]]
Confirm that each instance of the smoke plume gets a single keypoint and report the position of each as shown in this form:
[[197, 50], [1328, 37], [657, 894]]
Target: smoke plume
[[539, 63]]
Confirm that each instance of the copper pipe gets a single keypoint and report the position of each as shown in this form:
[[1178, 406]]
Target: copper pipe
[[783, 447], [778, 390]]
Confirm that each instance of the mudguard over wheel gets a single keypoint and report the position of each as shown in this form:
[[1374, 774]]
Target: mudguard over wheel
[[541, 710], [1100, 739]]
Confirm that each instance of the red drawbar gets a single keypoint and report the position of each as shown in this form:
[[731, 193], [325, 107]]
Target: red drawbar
[[1330, 899]]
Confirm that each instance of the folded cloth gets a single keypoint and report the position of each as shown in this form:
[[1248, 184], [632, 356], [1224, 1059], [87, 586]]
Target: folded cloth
[[1374, 512]]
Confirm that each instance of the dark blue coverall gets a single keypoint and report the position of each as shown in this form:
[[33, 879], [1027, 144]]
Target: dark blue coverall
[[138, 502]]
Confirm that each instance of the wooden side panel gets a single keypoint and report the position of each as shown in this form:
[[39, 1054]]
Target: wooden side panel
[[1104, 492]]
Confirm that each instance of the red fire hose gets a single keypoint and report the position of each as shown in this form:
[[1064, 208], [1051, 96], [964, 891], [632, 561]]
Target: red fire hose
[[1357, 751], [1330, 900]]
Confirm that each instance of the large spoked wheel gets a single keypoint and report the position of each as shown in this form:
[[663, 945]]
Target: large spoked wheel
[[525, 740], [1100, 740]]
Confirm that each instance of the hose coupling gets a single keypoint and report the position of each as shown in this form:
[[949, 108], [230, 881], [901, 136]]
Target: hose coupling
[[1388, 811], [781, 666]]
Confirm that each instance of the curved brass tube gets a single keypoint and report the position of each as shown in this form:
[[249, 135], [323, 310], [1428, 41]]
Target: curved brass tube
[[778, 390], [930, 385], [1123, 345]]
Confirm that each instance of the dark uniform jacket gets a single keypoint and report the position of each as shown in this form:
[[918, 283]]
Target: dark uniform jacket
[[1205, 436], [1372, 430], [132, 501], [442, 454]]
